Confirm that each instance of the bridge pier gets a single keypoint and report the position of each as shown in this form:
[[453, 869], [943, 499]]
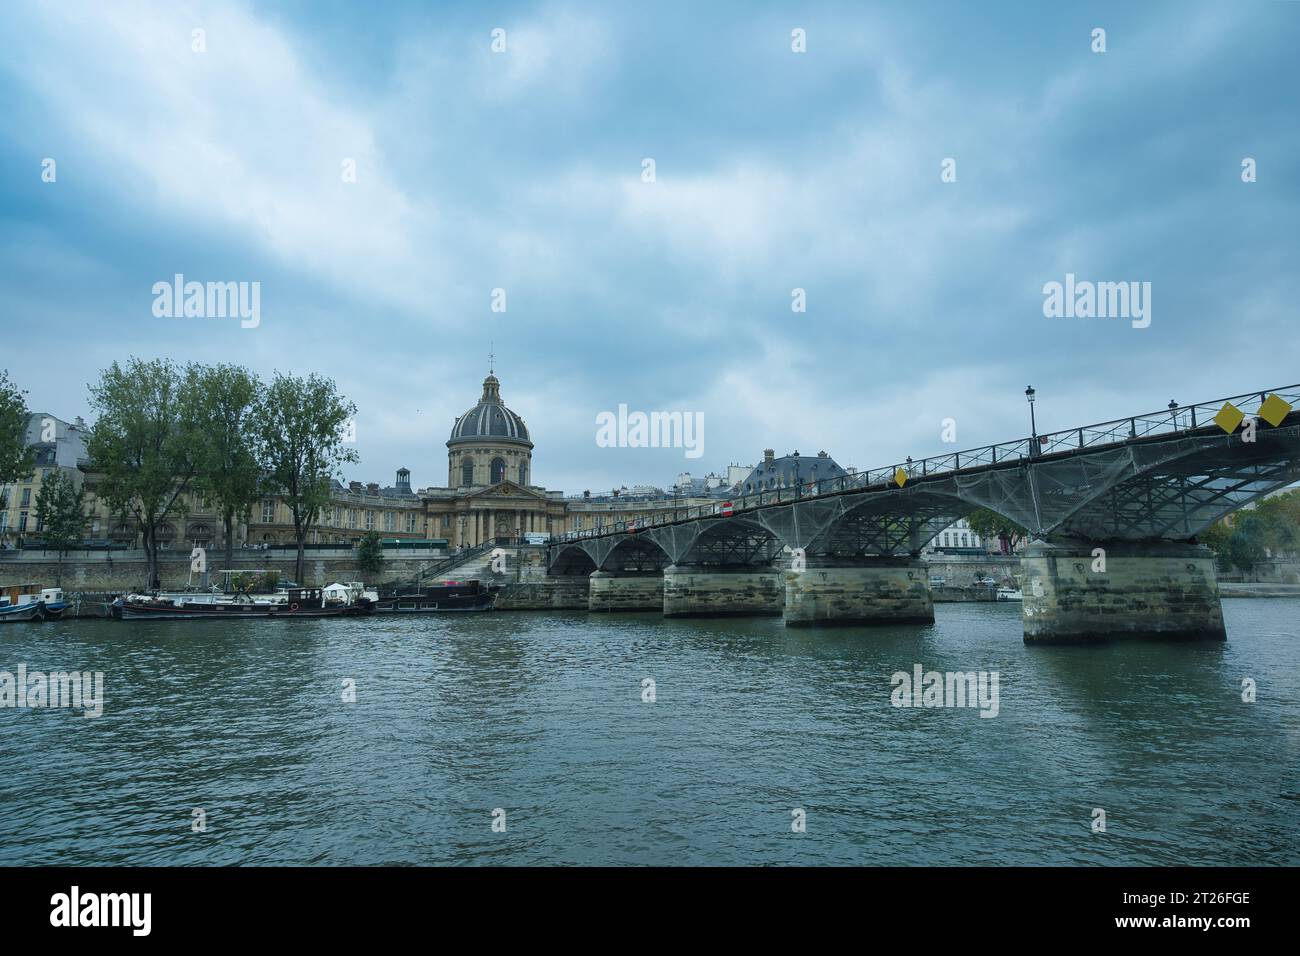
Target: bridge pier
[[1159, 589], [714, 591], [626, 591], [569, 591], [875, 590]]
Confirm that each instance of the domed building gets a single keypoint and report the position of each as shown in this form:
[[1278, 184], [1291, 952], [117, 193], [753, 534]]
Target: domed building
[[489, 495], [489, 444]]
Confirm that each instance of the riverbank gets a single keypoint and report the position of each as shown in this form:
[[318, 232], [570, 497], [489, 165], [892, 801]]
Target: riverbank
[[1258, 589]]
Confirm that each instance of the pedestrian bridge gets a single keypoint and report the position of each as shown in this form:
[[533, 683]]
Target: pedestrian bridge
[[1134, 492]]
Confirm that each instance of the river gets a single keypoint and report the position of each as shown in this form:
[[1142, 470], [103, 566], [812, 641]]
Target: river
[[755, 733]]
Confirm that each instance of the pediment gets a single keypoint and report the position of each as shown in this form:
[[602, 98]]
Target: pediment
[[505, 489]]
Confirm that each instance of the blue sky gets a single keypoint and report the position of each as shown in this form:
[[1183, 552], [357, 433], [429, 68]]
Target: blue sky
[[774, 170]]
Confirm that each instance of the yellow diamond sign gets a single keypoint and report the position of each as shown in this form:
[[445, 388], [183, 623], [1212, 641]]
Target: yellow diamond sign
[[900, 477], [1274, 410], [1229, 417]]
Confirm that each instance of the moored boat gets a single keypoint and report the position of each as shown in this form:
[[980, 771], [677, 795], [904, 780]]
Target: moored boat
[[333, 601], [449, 596], [28, 602]]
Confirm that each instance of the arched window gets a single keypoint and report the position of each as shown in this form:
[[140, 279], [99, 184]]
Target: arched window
[[498, 470], [467, 471], [523, 473]]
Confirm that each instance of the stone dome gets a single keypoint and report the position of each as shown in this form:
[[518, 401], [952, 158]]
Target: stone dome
[[490, 420]]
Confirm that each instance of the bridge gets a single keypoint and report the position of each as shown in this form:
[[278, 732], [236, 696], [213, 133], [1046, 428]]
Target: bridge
[[1112, 510]]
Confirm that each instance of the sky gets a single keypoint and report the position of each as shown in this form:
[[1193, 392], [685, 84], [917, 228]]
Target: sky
[[774, 170]]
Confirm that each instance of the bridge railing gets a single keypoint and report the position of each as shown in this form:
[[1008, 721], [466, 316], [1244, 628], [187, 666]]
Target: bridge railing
[[1170, 421]]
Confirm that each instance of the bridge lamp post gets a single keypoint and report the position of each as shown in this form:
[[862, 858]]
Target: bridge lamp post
[[1033, 424], [1173, 412]]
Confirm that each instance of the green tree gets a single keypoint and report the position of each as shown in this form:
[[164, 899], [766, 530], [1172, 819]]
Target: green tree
[[300, 441], [370, 554], [1247, 542], [227, 472], [1215, 537], [15, 456], [60, 515], [140, 445], [1280, 515], [990, 526]]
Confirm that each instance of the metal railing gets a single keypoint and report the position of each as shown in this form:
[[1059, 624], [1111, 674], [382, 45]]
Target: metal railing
[[1183, 419]]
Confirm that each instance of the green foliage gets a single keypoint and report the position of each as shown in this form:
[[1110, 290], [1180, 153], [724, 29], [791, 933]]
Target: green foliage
[[143, 446], [227, 471], [1216, 538], [370, 553], [1247, 543], [59, 511], [1272, 527], [15, 456], [992, 526], [300, 441]]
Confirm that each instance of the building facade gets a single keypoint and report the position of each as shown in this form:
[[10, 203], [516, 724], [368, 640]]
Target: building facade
[[56, 445]]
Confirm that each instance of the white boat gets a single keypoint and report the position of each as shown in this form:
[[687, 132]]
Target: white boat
[[1010, 594]]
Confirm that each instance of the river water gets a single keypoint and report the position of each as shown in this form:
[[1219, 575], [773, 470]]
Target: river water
[[754, 730]]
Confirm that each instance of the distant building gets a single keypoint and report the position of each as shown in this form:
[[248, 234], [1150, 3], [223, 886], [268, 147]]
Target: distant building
[[958, 536], [56, 446]]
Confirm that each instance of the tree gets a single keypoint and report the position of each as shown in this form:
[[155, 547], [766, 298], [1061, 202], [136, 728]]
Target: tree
[[140, 445], [1216, 537], [15, 456], [1246, 544], [60, 515], [227, 472], [370, 554], [300, 443], [1280, 515], [990, 525]]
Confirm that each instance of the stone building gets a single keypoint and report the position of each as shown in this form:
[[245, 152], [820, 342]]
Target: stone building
[[489, 496], [56, 445]]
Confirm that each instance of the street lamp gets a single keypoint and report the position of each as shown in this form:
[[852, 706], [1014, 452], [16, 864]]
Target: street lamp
[[1033, 424], [1173, 412]]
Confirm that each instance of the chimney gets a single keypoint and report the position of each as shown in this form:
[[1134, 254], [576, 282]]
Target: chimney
[[769, 456], [822, 454], [372, 487], [354, 486]]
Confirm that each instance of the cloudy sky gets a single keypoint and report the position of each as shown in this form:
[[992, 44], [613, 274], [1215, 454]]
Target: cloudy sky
[[774, 170]]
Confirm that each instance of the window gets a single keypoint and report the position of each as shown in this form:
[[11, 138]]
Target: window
[[27, 498], [498, 470], [22, 521], [390, 521], [352, 517], [370, 520], [268, 511], [467, 471], [523, 472], [446, 521], [410, 522]]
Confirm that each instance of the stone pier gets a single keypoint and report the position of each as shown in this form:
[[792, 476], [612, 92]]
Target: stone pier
[[1161, 589], [626, 591], [713, 591], [834, 591]]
